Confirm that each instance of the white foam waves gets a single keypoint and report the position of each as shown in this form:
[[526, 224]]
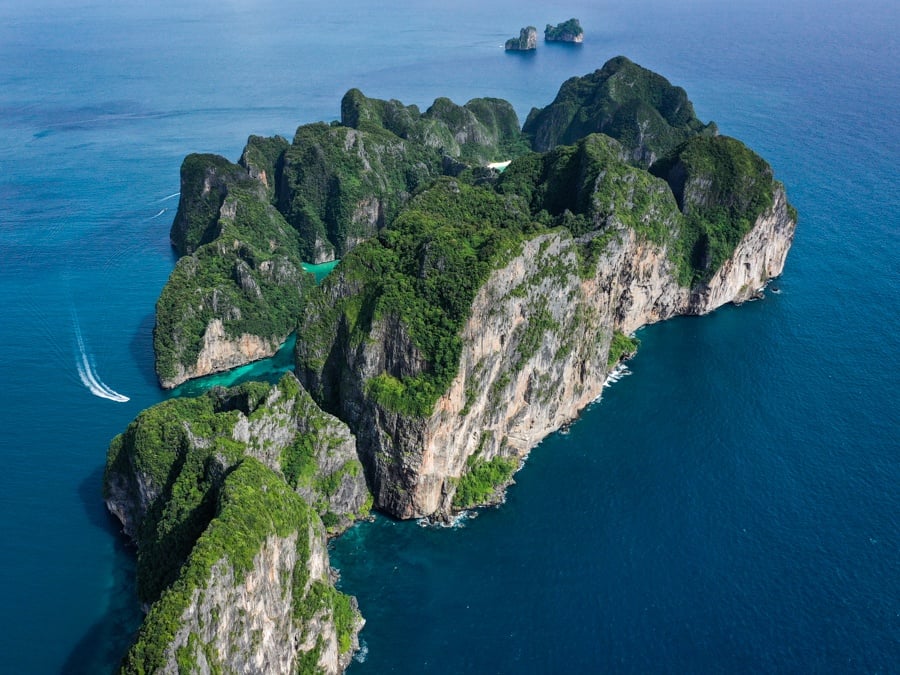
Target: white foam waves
[[616, 374], [362, 653], [87, 371]]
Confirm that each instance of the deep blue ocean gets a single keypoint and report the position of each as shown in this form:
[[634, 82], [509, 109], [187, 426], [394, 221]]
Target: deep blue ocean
[[731, 506]]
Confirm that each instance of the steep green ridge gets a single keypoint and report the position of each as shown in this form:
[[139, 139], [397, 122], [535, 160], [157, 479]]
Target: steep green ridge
[[722, 187], [338, 185], [588, 186], [243, 269], [205, 180], [182, 449], [699, 201], [422, 271], [249, 505], [482, 130], [243, 229], [637, 107]]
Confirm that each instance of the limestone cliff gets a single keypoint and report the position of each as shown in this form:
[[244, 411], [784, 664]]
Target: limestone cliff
[[526, 42], [229, 498], [234, 295], [534, 342]]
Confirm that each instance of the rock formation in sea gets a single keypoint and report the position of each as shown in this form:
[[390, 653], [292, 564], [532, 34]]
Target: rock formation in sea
[[567, 31], [526, 42], [472, 314]]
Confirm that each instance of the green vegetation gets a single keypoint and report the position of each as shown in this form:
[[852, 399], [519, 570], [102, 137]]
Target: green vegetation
[[341, 185], [262, 158], [309, 466], [249, 277], [247, 227], [215, 503], [621, 347], [587, 186], [532, 337], [204, 185], [567, 31], [422, 271], [722, 187], [251, 504], [637, 107], [482, 130], [698, 202], [482, 480]]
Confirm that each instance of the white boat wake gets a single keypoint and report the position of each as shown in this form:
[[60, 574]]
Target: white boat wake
[[171, 196], [161, 211], [88, 374]]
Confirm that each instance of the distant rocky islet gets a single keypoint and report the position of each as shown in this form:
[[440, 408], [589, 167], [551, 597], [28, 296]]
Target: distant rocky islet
[[568, 31]]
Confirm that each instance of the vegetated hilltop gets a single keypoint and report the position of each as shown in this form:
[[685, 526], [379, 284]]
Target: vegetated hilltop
[[244, 229], [637, 107], [472, 313], [567, 31]]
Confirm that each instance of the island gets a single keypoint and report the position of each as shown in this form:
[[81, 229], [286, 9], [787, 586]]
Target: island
[[567, 31], [526, 42], [472, 313]]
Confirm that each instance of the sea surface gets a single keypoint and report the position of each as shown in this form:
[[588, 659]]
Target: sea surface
[[732, 505]]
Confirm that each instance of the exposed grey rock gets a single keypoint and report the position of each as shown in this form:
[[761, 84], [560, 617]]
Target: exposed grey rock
[[526, 41]]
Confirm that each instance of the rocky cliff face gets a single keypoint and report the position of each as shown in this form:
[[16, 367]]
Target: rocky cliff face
[[535, 352], [527, 41], [229, 498], [245, 623], [219, 352], [234, 295]]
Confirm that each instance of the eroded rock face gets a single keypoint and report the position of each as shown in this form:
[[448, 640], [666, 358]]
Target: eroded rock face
[[220, 352], [245, 623], [527, 40], [535, 352]]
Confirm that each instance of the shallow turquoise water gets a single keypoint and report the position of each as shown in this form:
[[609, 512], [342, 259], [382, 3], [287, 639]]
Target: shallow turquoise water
[[731, 505], [321, 270]]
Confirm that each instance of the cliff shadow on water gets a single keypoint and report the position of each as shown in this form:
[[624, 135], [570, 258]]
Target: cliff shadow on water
[[96, 649], [141, 346]]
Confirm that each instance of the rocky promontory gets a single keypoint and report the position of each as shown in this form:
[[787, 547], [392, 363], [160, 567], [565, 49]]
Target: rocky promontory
[[472, 314]]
